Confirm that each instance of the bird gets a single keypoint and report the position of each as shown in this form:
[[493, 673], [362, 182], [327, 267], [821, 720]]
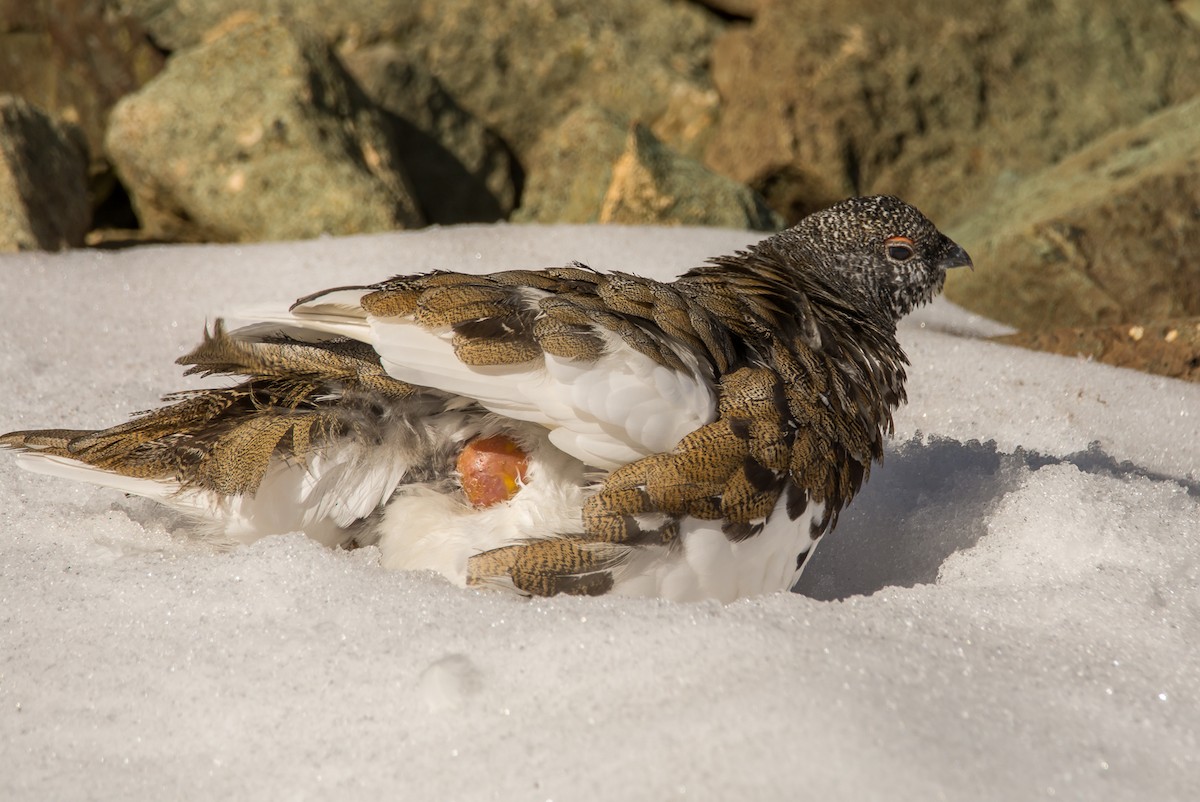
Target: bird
[[559, 430]]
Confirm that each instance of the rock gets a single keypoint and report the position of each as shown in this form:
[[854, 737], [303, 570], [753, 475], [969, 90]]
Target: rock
[[571, 168], [653, 184], [745, 9], [1189, 10], [1167, 348], [595, 168], [179, 24], [522, 67], [1106, 236], [259, 134], [794, 193], [519, 66], [43, 179], [75, 59], [936, 100], [461, 172]]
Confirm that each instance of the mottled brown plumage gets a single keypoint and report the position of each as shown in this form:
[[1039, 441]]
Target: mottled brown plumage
[[796, 338], [297, 396]]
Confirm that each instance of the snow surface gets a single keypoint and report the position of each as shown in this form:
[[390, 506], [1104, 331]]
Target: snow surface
[[1009, 610]]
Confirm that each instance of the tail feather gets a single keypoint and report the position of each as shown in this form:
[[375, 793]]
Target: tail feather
[[314, 437], [295, 397], [67, 468]]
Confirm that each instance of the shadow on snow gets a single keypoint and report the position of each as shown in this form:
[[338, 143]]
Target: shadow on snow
[[928, 499]]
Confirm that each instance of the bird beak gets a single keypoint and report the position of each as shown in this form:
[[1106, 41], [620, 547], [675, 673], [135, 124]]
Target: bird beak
[[955, 256]]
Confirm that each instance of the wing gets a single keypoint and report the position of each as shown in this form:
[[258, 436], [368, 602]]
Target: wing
[[565, 349], [801, 415], [315, 439]]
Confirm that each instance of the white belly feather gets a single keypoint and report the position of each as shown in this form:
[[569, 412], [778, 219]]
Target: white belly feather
[[705, 564]]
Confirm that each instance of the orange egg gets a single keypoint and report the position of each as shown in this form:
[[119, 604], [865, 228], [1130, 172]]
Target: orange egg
[[492, 469]]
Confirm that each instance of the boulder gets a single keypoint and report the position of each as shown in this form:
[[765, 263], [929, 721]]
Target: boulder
[[518, 66], [522, 67], [258, 134], [1189, 10], [653, 184], [43, 179], [75, 59], [461, 172], [570, 169], [744, 9], [180, 24], [1104, 237], [597, 167], [936, 100]]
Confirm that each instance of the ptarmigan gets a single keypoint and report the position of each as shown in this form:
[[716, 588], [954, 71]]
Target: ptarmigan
[[552, 431]]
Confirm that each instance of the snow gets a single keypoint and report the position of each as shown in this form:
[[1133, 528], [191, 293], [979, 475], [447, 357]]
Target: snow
[[1010, 610]]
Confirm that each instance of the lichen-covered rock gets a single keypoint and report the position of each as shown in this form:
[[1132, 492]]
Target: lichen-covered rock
[[570, 169], [522, 67], [461, 172], [597, 168], [516, 65], [936, 100], [75, 59], [653, 184], [259, 134], [1188, 10], [180, 24], [43, 179], [735, 8], [1106, 236]]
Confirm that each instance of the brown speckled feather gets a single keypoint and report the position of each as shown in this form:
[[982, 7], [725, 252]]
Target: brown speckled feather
[[297, 396]]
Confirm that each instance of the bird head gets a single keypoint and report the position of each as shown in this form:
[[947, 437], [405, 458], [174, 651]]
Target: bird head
[[880, 247]]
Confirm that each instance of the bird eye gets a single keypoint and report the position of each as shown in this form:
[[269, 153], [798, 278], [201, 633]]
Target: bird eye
[[899, 248]]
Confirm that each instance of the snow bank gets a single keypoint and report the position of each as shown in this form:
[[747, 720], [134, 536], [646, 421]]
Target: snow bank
[[1008, 611]]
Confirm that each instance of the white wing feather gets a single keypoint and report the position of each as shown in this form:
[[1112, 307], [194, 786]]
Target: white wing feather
[[607, 413]]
